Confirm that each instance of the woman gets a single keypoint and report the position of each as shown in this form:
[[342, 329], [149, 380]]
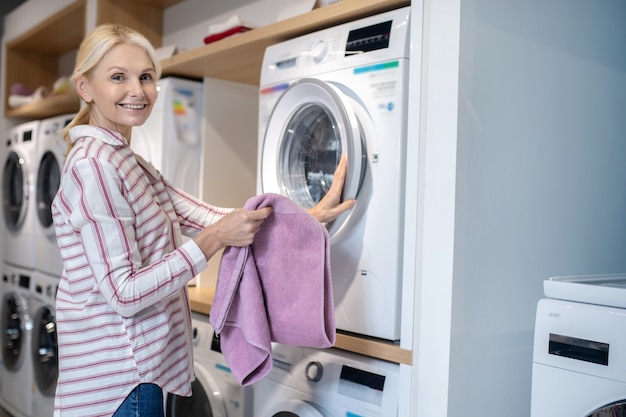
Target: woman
[[123, 317]]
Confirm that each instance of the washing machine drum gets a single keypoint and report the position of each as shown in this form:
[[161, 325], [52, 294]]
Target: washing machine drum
[[206, 399], [48, 182], [45, 350], [312, 124], [14, 192], [12, 330]]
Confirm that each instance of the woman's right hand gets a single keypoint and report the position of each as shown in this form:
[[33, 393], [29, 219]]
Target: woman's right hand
[[237, 228]]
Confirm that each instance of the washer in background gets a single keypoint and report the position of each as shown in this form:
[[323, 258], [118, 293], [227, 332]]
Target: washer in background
[[344, 90], [44, 348], [328, 383], [18, 195], [171, 138], [16, 327], [216, 393], [51, 149], [579, 357]]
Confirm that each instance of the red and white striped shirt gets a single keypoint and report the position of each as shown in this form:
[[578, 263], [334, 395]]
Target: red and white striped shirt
[[122, 306]]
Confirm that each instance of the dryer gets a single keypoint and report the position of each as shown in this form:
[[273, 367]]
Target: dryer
[[343, 90], [216, 393], [579, 357], [18, 200], [50, 158], [328, 383], [44, 348], [16, 328], [171, 138]]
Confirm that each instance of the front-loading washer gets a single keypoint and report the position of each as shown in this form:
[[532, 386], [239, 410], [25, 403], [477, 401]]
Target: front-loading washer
[[171, 138], [216, 392], [16, 328], [44, 348], [343, 90], [51, 149], [579, 357], [18, 200], [328, 383]]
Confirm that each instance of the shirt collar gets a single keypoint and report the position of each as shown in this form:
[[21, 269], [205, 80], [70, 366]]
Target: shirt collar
[[100, 133]]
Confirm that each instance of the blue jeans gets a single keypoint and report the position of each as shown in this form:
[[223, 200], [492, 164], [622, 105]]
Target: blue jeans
[[146, 400]]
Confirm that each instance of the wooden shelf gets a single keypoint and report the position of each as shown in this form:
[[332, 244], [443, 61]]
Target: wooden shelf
[[239, 58], [48, 107], [201, 300]]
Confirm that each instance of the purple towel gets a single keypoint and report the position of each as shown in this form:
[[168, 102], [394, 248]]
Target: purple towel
[[278, 289]]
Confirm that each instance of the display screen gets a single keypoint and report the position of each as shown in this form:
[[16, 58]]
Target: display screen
[[369, 38], [362, 385], [579, 349]]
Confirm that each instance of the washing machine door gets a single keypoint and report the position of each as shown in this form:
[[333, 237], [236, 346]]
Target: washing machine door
[[206, 399], [12, 328], [312, 124], [294, 408], [44, 351], [14, 191], [48, 181], [616, 409]]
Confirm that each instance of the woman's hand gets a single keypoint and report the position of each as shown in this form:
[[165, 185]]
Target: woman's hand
[[331, 206], [237, 228]]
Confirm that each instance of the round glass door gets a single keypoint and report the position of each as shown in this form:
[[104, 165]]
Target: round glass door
[[312, 125], [616, 409], [13, 336], [48, 181], [14, 192], [44, 351], [205, 400]]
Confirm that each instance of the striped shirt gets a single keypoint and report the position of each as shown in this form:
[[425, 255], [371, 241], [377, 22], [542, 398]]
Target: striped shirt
[[122, 306]]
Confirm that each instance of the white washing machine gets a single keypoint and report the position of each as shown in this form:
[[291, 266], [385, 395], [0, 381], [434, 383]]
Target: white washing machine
[[171, 138], [43, 349], [344, 90], [51, 150], [579, 359], [16, 328], [328, 383], [216, 393], [18, 200]]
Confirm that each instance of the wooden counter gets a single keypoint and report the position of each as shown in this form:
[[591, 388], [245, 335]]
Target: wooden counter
[[201, 300]]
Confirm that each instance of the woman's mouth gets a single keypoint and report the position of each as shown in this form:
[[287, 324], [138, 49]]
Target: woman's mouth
[[133, 106]]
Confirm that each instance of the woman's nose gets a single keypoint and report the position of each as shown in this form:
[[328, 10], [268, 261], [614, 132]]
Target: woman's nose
[[136, 88]]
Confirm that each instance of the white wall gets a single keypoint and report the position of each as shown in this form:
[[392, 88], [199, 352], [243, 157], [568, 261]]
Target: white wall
[[541, 180]]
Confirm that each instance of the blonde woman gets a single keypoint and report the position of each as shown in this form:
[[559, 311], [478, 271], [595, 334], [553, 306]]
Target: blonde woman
[[123, 319]]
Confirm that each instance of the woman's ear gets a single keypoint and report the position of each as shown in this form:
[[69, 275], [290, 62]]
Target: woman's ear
[[82, 87]]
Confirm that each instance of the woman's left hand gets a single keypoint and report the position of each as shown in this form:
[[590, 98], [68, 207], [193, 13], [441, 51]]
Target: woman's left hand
[[331, 206]]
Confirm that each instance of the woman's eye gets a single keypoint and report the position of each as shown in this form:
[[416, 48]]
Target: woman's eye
[[117, 77], [146, 77]]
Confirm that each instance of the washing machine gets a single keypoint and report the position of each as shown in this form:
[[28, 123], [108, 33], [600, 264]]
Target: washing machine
[[16, 328], [171, 138], [18, 199], [51, 149], [216, 393], [579, 357], [328, 383], [343, 90], [43, 349]]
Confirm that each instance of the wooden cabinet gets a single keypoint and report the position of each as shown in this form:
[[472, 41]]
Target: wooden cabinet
[[33, 58]]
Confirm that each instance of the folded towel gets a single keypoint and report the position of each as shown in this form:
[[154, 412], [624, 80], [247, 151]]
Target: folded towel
[[279, 289], [230, 23]]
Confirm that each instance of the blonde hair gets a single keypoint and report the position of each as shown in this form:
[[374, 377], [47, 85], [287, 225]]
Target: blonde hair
[[92, 49]]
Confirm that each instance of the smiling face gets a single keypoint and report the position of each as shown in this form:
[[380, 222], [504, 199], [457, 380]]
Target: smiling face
[[121, 89]]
